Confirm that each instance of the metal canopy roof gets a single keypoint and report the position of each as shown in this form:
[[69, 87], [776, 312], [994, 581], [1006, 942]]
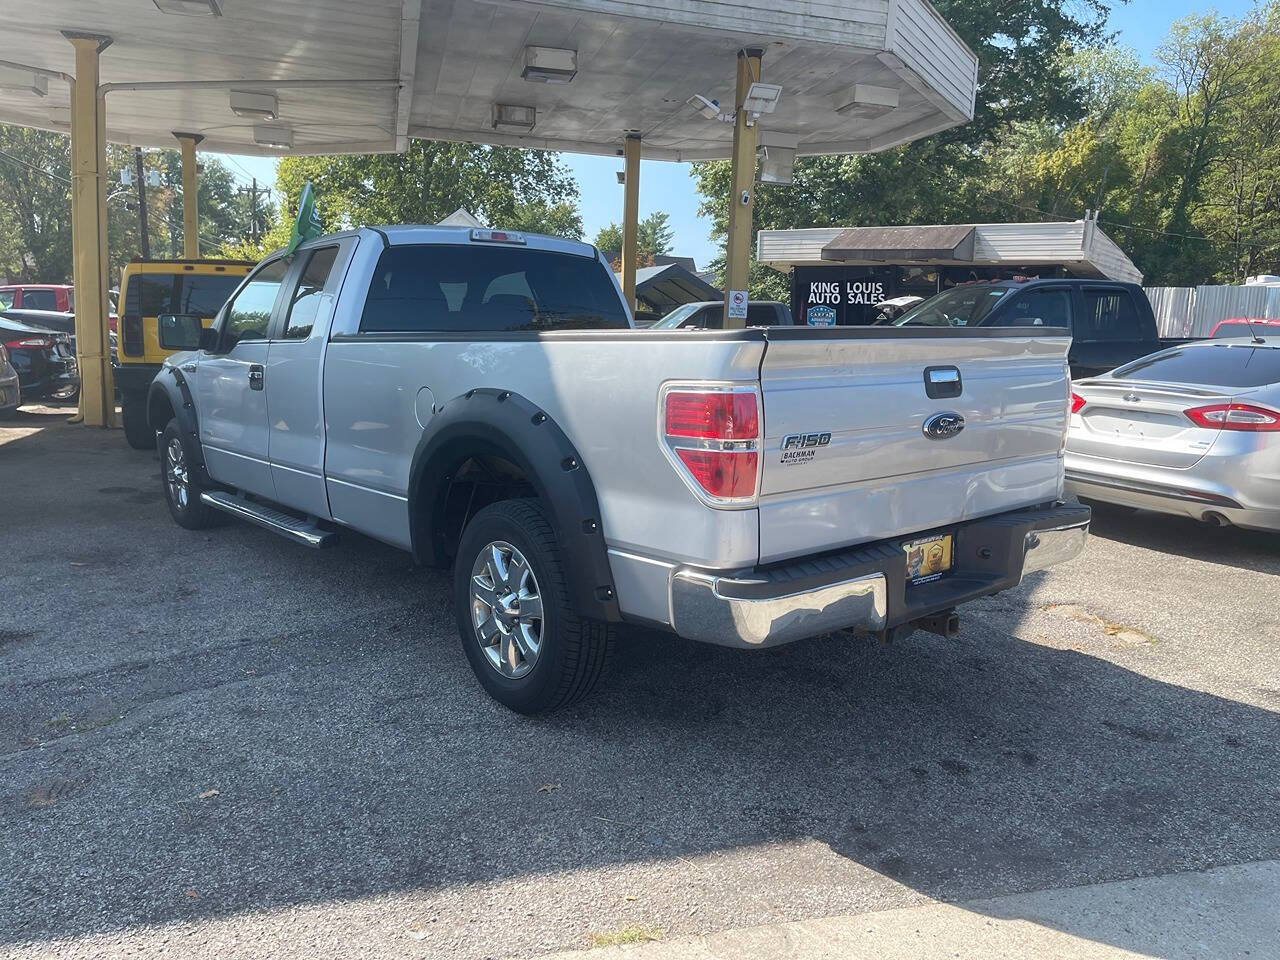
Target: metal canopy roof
[[366, 77], [902, 243], [668, 286]]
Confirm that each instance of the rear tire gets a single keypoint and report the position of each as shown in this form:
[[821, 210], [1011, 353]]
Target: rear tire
[[133, 415], [180, 469], [509, 564]]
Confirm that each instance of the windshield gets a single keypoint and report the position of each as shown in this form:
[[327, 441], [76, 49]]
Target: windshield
[[959, 307], [677, 316]]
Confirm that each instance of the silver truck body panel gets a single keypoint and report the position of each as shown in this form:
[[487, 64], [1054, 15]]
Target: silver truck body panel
[[601, 390]]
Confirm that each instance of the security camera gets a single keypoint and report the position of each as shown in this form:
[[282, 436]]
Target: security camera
[[745, 199], [709, 108]]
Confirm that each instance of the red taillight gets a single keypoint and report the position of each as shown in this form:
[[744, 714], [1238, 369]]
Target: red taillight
[[714, 435], [729, 476], [1077, 403], [1235, 416], [713, 416], [31, 343]]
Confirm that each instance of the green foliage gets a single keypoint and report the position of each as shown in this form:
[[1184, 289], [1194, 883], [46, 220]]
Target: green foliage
[[528, 190], [35, 206], [1182, 160], [654, 237]]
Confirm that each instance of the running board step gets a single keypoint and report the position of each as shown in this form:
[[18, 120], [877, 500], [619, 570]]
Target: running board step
[[286, 525]]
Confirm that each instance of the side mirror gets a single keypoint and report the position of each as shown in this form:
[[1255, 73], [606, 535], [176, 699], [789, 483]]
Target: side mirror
[[180, 331]]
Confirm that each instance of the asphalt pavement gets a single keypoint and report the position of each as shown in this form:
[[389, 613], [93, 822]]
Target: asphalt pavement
[[221, 744]]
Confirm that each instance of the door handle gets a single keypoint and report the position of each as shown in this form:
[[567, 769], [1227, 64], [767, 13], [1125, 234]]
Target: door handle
[[256, 375]]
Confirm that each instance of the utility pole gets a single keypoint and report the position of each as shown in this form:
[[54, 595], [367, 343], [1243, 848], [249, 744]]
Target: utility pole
[[142, 203], [254, 223]]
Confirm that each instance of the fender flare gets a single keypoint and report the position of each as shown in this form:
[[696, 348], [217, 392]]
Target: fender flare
[[172, 385], [505, 424]]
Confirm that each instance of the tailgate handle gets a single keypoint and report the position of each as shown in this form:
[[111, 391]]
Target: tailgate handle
[[942, 382]]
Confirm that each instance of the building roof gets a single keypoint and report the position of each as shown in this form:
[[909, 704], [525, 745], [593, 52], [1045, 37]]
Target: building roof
[[1079, 245], [367, 77], [666, 287]]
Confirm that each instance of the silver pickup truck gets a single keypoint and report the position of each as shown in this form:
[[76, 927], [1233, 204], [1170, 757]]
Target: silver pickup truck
[[479, 398]]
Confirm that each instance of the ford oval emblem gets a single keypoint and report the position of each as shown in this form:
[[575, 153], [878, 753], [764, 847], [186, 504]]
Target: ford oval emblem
[[943, 426]]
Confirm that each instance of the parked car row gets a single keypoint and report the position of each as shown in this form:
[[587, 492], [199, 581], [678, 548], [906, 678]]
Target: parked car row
[[43, 358]]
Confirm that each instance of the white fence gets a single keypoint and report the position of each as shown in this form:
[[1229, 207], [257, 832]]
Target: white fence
[[1195, 311]]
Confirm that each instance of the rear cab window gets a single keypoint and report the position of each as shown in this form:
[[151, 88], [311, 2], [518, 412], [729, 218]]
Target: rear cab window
[[471, 288], [6, 299], [1109, 314], [1236, 365]]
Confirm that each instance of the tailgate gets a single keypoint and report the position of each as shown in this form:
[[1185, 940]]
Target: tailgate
[[861, 439]]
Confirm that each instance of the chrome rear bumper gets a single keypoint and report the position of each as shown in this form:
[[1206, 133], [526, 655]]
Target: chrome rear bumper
[[865, 589]]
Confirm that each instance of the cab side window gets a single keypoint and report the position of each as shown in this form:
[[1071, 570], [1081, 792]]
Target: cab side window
[[1111, 315], [304, 304], [1038, 308], [250, 312]]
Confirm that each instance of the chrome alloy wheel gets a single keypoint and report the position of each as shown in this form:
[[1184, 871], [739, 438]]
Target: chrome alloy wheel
[[506, 609], [175, 473]]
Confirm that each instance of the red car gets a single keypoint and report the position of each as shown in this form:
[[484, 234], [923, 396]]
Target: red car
[[44, 296], [1241, 326]]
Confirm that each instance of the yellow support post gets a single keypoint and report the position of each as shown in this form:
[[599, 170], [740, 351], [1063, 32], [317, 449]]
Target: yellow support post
[[742, 199], [89, 232], [630, 217], [190, 195]]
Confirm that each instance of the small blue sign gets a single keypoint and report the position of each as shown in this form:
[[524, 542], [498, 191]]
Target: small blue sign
[[820, 317]]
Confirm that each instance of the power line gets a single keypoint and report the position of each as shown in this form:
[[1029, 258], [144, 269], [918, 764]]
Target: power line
[[169, 221]]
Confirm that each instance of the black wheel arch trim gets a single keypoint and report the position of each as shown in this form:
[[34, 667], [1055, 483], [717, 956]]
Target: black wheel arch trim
[[508, 425], [172, 385]]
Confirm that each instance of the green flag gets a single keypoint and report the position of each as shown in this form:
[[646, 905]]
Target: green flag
[[308, 223]]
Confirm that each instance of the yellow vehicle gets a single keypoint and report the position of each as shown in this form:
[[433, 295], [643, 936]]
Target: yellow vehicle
[[148, 290]]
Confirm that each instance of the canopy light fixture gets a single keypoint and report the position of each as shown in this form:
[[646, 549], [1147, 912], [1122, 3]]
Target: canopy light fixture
[[777, 155], [549, 64], [189, 8], [276, 135], [513, 116], [254, 106], [622, 178], [864, 100], [24, 81], [761, 98]]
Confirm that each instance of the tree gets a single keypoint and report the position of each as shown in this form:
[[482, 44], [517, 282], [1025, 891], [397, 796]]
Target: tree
[[528, 190], [35, 192], [654, 237]]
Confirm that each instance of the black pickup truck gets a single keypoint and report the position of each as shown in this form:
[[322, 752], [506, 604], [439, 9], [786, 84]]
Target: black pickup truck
[[1111, 323]]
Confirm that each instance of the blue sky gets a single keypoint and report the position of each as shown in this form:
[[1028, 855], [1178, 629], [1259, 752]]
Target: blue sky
[[1141, 24]]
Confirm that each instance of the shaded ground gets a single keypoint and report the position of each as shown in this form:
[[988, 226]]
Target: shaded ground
[[1116, 717]]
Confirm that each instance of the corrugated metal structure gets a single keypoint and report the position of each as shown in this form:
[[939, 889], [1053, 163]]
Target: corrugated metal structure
[[1195, 311], [857, 76], [1080, 247]]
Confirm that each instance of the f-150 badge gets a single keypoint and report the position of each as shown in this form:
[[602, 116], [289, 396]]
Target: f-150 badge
[[802, 447]]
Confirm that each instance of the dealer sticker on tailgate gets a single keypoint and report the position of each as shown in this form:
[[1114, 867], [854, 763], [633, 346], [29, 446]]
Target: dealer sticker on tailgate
[[928, 559]]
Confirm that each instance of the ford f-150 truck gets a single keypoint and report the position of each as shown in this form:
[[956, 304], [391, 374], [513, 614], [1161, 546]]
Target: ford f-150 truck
[[479, 398]]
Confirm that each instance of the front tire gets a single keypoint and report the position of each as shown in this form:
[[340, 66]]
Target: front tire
[[527, 646], [180, 478], [133, 416]]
